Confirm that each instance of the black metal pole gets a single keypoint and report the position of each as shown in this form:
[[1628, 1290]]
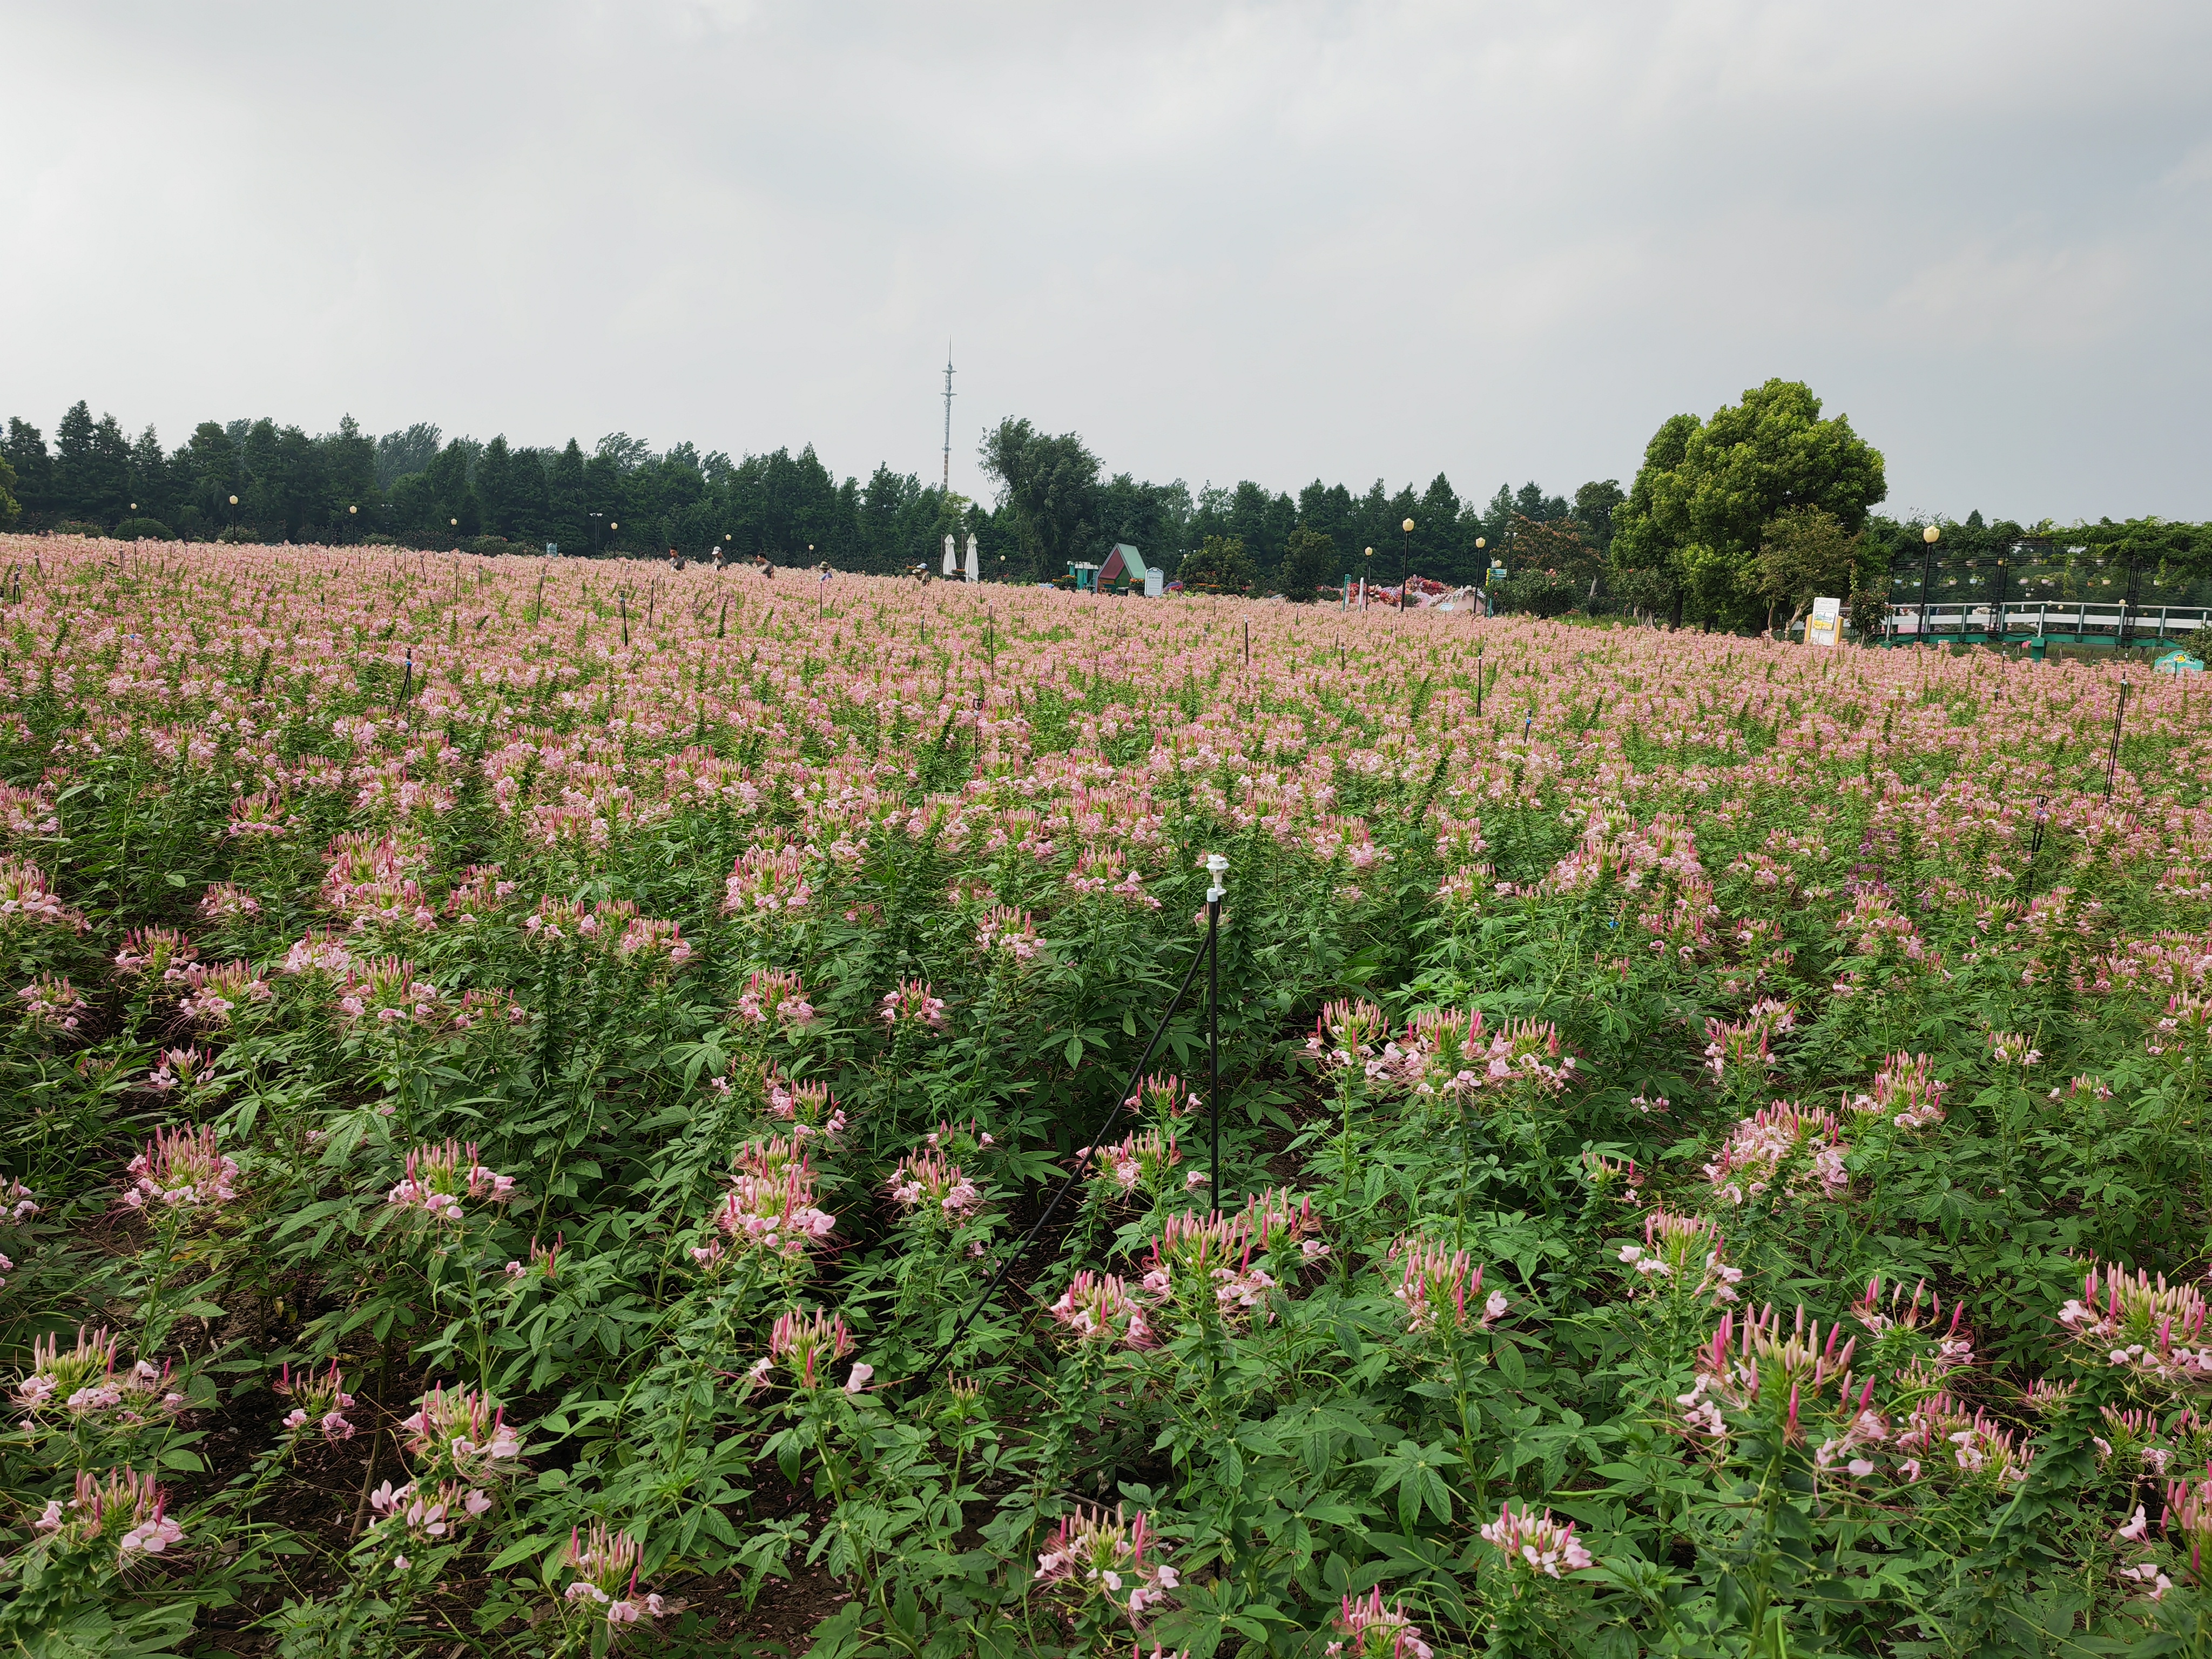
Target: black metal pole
[[1213, 1033], [2112, 764], [1927, 569], [1075, 1174]]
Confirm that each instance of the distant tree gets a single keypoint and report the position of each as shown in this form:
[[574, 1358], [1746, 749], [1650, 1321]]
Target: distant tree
[[1308, 562], [1050, 485], [25, 450], [1594, 506], [625, 452], [80, 485], [1220, 564], [565, 523], [1707, 490], [1552, 548], [495, 485], [398, 453], [350, 473], [1804, 553], [10, 507], [151, 483]]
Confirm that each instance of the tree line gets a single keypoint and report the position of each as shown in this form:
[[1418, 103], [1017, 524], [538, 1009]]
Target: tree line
[[1733, 520], [255, 481]]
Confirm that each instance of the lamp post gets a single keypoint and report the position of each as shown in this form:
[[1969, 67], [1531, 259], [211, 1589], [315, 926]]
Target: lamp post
[[1996, 628], [1366, 576], [2127, 605], [1481, 542], [1405, 561], [1930, 536], [595, 518], [352, 512]]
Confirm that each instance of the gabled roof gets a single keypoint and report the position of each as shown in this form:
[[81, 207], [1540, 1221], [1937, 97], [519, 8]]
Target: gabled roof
[[1123, 560]]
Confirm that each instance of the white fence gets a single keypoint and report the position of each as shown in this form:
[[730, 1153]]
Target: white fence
[[2045, 617]]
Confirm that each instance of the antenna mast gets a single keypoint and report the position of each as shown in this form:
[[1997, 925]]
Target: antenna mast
[[948, 418]]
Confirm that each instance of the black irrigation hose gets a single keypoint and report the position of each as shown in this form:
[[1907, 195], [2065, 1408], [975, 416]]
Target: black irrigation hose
[[1075, 1174]]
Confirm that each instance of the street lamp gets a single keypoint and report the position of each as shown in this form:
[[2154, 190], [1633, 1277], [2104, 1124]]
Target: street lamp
[[1479, 543], [1366, 575], [1405, 558], [1930, 536], [595, 518]]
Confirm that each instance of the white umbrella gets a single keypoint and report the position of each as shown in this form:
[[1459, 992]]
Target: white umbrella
[[975, 560], [950, 556]]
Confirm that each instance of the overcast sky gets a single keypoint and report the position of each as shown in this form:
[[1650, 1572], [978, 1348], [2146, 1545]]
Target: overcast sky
[[1503, 241]]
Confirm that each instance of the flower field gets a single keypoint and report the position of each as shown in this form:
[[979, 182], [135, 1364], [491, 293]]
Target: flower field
[[516, 1075]]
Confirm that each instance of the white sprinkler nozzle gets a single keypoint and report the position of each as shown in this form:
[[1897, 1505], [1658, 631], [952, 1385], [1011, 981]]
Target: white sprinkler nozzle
[[1216, 866]]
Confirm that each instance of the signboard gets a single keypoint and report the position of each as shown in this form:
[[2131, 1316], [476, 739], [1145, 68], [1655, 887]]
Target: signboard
[[552, 550], [1825, 625], [1156, 582], [2177, 662]]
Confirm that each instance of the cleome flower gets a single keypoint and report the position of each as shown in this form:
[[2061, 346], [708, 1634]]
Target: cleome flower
[[319, 1402], [766, 882], [50, 1003], [182, 1170], [154, 955], [438, 1178], [606, 1566], [1785, 1151], [1142, 1162], [1008, 930], [771, 998], [1941, 1441], [382, 993], [86, 1385], [804, 1344], [1682, 1254], [909, 1005], [457, 1434], [1906, 1091], [27, 900], [122, 1509], [1536, 1543], [1346, 1036], [190, 1068], [928, 1183], [1368, 1630], [214, 994], [1436, 1287], [1098, 1558], [1906, 1337], [2151, 1331], [769, 1208], [1099, 1308], [1203, 1264], [427, 1514], [810, 1108]]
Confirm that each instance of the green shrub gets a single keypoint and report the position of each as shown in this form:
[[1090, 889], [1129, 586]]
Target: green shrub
[[144, 530]]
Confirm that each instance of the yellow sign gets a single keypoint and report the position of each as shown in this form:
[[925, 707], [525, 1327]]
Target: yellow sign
[[1825, 625]]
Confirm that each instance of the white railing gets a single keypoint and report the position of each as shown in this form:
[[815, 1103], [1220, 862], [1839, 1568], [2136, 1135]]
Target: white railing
[[2049, 616]]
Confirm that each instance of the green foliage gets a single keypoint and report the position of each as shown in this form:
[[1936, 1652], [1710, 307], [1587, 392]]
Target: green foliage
[[1309, 562], [1693, 518], [1803, 553], [1219, 565]]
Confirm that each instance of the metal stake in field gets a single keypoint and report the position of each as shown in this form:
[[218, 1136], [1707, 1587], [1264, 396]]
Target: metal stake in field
[[1216, 867], [2112, 764]]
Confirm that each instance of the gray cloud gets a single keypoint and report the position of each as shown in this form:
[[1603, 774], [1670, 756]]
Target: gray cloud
[[1220, 240]]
